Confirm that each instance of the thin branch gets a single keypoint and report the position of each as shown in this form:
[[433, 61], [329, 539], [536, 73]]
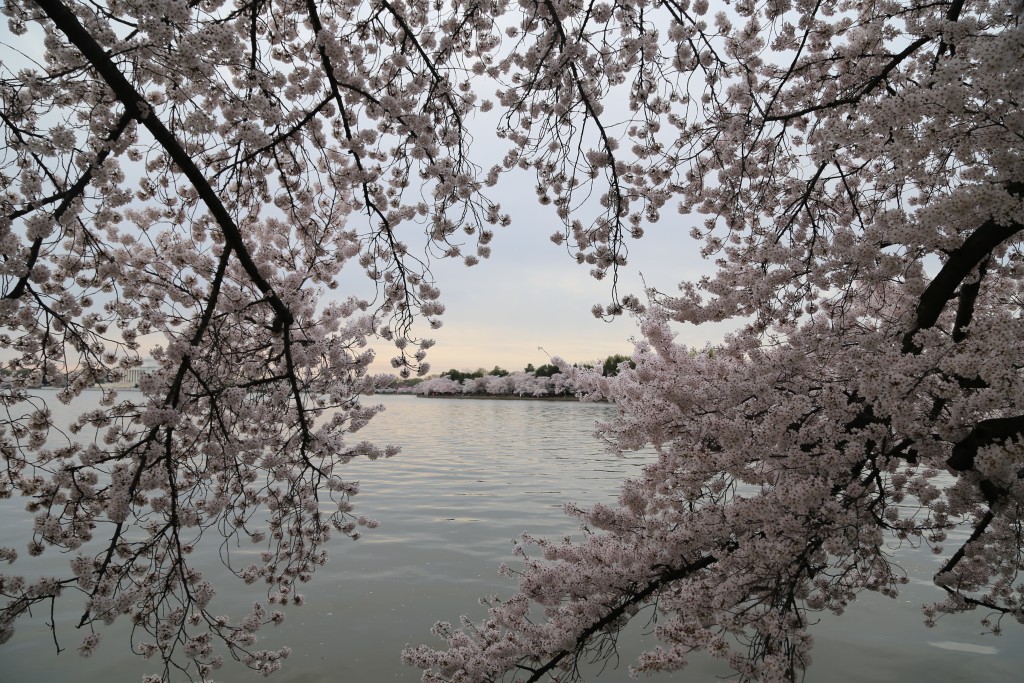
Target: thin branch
[[619, 610]]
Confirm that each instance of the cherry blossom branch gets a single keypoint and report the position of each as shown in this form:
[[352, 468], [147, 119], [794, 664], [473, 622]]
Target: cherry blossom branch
[[984, 433], [966, 303], [66, 197], [862, 92], [616, 243], [616, 613], [959, 264], [955, 558], [135, 104]]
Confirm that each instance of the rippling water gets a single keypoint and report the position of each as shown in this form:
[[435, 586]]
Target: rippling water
[[472, 476]]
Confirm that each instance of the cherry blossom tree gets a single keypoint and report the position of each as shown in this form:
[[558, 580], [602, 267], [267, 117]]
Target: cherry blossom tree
[[190, 172], [200, 171], [858, 166]]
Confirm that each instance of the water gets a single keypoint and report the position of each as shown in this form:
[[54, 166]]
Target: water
[[474, 475]]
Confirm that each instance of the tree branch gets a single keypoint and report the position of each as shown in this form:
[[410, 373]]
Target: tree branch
[[873, 83], [961, 262], [136, 106], [66, 197], [614, 614], [985, 433]]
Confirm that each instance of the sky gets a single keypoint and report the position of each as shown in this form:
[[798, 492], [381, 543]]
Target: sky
[[532, 295]]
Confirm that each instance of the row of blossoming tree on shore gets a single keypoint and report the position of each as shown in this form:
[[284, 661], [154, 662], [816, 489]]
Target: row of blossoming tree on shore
[[546, 381], [513, 384]]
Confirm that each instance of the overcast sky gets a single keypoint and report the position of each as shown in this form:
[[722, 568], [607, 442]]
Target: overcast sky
[[531, 293]]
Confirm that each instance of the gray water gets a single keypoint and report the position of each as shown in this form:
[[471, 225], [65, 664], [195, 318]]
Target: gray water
[[472, 476]]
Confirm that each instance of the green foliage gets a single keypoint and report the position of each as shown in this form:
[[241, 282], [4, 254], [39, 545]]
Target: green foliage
[[611, 364], [547, 370], [458, 376]]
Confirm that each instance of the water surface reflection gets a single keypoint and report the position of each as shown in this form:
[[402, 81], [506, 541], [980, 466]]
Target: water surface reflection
[[472, 476]]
